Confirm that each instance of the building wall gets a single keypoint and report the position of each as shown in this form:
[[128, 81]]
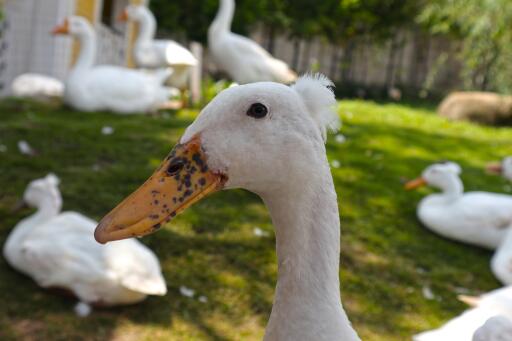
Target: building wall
[[29, 46], [26, 44]]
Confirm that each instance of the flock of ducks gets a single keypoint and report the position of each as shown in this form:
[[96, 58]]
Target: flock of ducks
[[163, 65], [273, 129], [479, 218]]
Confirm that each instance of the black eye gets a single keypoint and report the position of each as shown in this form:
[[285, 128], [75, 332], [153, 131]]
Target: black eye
[[257, 110], [175, 167]]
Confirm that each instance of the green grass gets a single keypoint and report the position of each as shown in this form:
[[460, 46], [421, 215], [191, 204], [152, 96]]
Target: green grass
[[387, 256]]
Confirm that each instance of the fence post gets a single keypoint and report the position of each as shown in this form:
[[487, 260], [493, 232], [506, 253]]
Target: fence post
[[195, 74]]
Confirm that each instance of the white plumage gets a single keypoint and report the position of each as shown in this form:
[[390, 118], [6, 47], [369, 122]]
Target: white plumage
[[497, 328], [58, 250], [479, 218], [37, 86], [152, 53], [266, 138], [106, 87], [243, 59], [474, 324]]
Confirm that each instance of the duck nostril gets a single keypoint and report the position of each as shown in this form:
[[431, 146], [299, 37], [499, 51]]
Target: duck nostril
[[175, 167]]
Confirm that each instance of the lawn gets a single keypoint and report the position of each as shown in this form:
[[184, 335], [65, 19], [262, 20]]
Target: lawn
[[388, 259]]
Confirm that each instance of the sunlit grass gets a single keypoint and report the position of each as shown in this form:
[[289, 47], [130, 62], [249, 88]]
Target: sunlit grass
[[387, 257]]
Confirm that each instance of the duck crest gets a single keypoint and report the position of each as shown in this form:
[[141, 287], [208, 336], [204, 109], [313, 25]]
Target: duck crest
[[316, 91]]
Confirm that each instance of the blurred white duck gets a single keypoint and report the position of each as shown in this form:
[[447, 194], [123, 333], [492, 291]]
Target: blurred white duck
[[37, 86], [267, 138], [107, 87], [58, 250], [489, 320], [478, 218], [503, 168], [243, 59], [152, 54], [497, 328]]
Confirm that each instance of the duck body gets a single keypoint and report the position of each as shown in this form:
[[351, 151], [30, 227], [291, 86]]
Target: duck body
[[243, 59], [37, 86], [470, 325], [134, 92], [477, 218], [117, 89], [57, 250], [153, 53], [497, 328]]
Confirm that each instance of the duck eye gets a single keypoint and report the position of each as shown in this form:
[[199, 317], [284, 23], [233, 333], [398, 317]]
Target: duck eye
[[175, 167], [257, 110]]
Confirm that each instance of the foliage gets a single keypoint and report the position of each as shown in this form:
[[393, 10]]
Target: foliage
[[336, 20], [484, 27], [387, 256]]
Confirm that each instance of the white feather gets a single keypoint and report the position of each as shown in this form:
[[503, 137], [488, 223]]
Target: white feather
[[318, 96]]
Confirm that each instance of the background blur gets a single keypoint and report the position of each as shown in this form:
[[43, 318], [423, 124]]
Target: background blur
[[424, 48]]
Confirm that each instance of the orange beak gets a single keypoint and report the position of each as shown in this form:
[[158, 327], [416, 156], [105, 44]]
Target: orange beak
[[123, 17], [61, 29], [416, 183], [494, 168], [182, 179]]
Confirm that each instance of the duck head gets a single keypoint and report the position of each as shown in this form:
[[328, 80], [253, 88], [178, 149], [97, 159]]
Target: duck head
[[439, 175], [134, 12], [261, 137], [73, 25], [503, 168], [44, 191]]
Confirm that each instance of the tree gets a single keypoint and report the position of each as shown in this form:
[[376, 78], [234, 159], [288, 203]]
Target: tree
[[484, 28]]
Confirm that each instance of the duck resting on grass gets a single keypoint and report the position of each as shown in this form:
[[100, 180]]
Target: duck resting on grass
[[489, 319], [106, 87], [269, 139], [57, 250], [503, 168], [478, 218]]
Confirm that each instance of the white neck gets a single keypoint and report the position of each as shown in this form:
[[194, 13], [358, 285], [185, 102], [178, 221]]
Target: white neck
[[46, 211], [307, 302], [147, 28], [87, 54], [223, 19], [452, 188]]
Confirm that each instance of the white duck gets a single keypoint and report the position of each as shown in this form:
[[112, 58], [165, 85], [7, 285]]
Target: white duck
[[107, 87], [58, 250], [503, 168], [497, 328], [153, 54], [243, 59], [267, 138], [489, 320], [478, 218], [37, 86]]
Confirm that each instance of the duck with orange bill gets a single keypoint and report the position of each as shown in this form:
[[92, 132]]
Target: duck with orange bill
[[478, 218], [107, 87], [489, 318], [267, 138]]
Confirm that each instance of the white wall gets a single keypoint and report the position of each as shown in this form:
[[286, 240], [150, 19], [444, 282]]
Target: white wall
[[30, 46]]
